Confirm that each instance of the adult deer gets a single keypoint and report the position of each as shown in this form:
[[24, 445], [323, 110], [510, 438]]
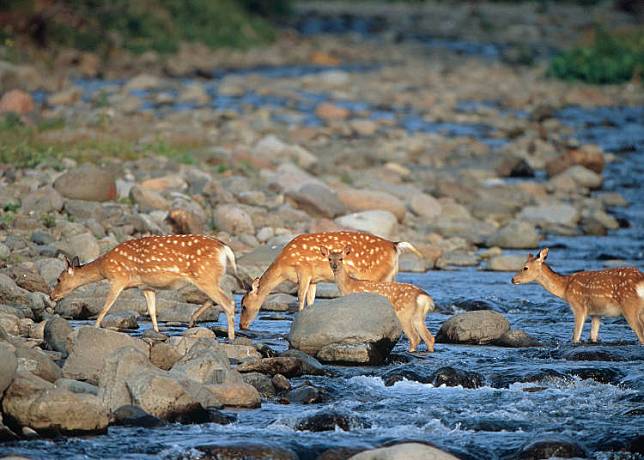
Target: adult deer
[[300, 262], [156, 262], [611, 292], [411, 304]]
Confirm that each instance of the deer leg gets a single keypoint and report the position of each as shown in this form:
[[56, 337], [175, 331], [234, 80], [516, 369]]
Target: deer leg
[[193, 319], [580, 318], [302, 290], [226, 303], [421, 328], [310, 294], [109, 301], [636, 323], [406, 322], [594, 329], [150, 299]]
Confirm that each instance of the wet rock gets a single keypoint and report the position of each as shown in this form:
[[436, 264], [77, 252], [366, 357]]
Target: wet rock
[[310, 365], [89, 347], [56, 332], [452, 377], [592, 354], [551, 214], [246, 451], [425, 206], [473, 305], [378, 222], [8, 365], [548, 448], [317, 201], [38, 404], [129, 415], [42, 201], [307, 394], [122, 320], [38, 363], [543, 375], [515, 235], [328, 420], [601, 375], [515, 338], [16, 101], [404, 373], [589, 157], [355, 319], [87, 182], [285, 365], [474, 327], [405, 451], [368, 200], [346, 353], [262, 383], [6, 434], [236, 393], [233, 219], [220, 418]]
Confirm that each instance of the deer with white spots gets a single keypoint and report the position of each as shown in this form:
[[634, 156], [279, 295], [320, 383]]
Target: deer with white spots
[[411, 304], [611, 292], [156, 262], [300, 262]]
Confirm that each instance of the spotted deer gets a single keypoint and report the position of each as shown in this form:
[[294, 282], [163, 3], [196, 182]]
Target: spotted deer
[[300, 262], [156, 262], [411, 304], [611, 292]]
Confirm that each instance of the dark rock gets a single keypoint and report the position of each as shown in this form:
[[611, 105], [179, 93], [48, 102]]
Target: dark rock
[[473, 305], [491, 424], [285, 365], [307, 394], [281, 383], [601, 375], [246, 451], [404, 373], [56, 331], [134, 416], [219, 417], [591, 355], [547, 448], [164, 355], [41, 237], [339, 453], [514, 167], [453, 377], [515, 338], [310, 365], [504, 380], [261, 382], [327, 420]]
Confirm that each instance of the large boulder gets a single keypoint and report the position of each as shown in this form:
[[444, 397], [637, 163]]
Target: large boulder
[[89, 347], [57, 330], [119, 366], [405, 451], [551, 214], [473, 327], [379, 222], [35, 403], [38, 363], [425, 206], [11, 293], [8, 365], [233, 219], [357, 319], [515, 235], [317, 200], [204, 363], [87, 182], [368, 200]]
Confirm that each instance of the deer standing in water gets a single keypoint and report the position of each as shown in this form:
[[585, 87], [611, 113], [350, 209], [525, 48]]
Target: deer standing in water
[[411, 304], [300, 262], [611, 292], [156, 262]]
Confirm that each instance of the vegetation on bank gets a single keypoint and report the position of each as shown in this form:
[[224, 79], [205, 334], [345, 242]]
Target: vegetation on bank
[[610, 58], [159, 25]]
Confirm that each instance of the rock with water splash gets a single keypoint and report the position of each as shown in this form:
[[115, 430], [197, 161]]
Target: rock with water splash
[[328, 420], [246, 451], [366, 322], [473, 327], [554, 447], [453, 377], [405, 451]]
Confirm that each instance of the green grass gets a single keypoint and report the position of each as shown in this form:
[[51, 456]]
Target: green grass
[[611, 58]]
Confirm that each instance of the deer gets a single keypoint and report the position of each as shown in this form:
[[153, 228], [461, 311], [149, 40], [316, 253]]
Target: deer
[[156, 262], [411, 304], [610, 292], [300, 262]]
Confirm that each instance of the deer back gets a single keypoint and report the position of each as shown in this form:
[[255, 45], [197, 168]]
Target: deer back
[[616, 284]]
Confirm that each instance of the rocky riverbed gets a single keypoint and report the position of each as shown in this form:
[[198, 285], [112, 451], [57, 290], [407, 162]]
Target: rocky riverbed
[[474, 160]]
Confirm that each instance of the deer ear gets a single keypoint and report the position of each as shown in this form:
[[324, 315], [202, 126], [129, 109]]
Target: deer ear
[[543, 254], [255, 285], [68, 264], [324, 251], [347, 250], [75, 262]]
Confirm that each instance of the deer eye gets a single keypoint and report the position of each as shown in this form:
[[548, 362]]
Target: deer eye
[[525, 268]]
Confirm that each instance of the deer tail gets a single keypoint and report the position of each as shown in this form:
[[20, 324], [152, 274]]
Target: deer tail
[[404, 246], [229, 255]]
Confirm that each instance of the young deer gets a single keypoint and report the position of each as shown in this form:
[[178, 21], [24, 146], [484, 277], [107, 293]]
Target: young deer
[[156, 262], [300, 262], [612, 292], [411, 304]]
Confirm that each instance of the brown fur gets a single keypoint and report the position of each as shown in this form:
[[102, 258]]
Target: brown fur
[[156, 262], [611, 292], [300, 262], [411, 304]]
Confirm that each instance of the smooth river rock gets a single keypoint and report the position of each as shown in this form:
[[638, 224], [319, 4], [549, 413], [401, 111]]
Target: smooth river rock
[[473, 327]]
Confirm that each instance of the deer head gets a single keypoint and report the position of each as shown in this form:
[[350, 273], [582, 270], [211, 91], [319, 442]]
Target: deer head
[[336, 258], [66, 280], [250, 305], [532, 268]]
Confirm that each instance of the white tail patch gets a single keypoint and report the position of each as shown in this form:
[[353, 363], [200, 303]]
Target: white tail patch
[[426, 303], [640, 290], [230, 256], [404, 246]]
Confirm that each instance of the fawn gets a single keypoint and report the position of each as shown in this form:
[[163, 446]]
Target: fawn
[[611, 292], [300, 262], [411, 304], [155, 262]]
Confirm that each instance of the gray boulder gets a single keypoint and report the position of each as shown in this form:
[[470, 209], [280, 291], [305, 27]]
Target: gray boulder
[[38, 363], [42, 201], [506, 263], [203, 364], [367, 319], [473, 327], [121, 320], [119, 366], [546, 215], [35, 403], [8, 365], [11, 293], [515, 235], [317, 200], [56, 332], [89, 347], [377, 221]]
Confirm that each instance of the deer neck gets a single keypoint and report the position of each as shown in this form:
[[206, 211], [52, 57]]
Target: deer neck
[[88, 273], [267, 282], [553, 282], [343, 280]]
